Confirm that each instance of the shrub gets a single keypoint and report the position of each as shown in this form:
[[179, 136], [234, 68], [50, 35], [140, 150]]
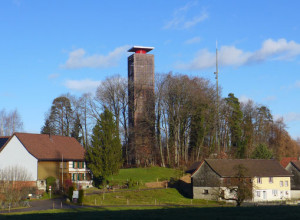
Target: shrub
[[81, 196], [70, 192], [50, 181]]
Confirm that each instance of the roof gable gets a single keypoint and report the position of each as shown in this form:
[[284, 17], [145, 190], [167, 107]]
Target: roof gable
[[46, 147], [286, 160], [296, 164], [255, 167]]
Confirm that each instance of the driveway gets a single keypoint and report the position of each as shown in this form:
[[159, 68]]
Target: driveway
[[38, 205]]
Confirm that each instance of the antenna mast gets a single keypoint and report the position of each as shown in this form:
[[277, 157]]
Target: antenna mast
[[217, 90]]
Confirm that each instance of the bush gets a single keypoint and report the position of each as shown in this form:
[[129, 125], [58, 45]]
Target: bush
[[70, 192], [50, 181], [81, 196]]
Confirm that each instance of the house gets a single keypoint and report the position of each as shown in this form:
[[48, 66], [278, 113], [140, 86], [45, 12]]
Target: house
[[43, 155], [294, 168], [269, 180], [286, 160]]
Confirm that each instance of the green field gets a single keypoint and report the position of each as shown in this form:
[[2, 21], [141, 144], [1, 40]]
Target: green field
[[277, 212], [168, 196], [150, 174]]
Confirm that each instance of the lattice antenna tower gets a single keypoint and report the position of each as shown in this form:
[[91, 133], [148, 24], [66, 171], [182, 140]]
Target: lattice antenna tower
[[217, 101]]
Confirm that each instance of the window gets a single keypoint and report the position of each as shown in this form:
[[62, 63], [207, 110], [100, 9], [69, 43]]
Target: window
[[74, 164], [274, 192], [258, 193], [286, 183], [73, 176], [259, 180], [228, 180], [82, 164], [281, 183], [270, 179], [205, 191], [78, 164], [78, 176]]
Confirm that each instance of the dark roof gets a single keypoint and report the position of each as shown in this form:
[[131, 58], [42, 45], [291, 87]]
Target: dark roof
[[136, 48], [193, 167], [255, 167], [286, 160], [3, 140], [296, 164], [46, 147]]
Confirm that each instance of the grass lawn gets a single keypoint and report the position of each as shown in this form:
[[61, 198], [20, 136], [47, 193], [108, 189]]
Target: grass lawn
[[168, 196], [140, 176], [224, 213], [150, 174]]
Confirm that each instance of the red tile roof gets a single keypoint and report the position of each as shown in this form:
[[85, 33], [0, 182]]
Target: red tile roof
[[46, 147], [286, 160]]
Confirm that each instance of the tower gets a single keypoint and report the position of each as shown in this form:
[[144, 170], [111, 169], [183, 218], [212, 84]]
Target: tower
[[141, 105]]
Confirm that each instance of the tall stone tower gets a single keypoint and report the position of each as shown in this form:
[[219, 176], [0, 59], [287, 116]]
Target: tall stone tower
[[141, 106]]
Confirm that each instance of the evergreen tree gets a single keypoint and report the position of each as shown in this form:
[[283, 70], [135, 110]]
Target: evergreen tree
[[262, 152], [76, 129], [104, 157], [47, 128], [235, 123]]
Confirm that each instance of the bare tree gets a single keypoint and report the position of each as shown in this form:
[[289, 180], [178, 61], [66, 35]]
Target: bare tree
[[10, 122], [238, 188], [15, 185], [112, 94]]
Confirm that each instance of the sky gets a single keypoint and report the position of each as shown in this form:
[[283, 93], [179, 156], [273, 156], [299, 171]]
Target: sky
[[53, 47]]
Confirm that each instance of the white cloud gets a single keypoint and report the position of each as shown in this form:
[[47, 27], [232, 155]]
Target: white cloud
[[79, 59], [180, 18], [232, 56], [297, 84], [280, 49], [270, 98], [291, 117], [85, 85], [204, 59], [193, 40], [244, 99], [53, 76]]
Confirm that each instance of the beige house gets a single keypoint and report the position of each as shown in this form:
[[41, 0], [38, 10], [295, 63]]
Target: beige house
[[43, 155], [269, 180]]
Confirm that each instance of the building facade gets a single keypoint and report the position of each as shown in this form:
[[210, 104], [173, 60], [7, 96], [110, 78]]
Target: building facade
[[41, 156], [268, 180]]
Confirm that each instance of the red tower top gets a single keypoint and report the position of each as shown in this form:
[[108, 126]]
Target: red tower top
[[140, 49]]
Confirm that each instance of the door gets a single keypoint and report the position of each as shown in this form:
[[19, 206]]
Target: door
[[265, 195]]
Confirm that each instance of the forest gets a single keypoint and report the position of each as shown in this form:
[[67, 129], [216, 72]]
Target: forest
[[192, 121]]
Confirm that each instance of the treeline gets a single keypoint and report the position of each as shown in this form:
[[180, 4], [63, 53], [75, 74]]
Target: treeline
[[191, 122], [10, 122]]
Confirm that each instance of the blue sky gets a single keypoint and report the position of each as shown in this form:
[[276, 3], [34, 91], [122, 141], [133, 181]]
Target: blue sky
[[49, 48]]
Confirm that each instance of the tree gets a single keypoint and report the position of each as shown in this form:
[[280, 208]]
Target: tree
[[76, 129], [104, 157], [14, 185], [47, 128], [262, 152], [234, 123], [240, 186], [112, 94], [61, 117], [10, 122]]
